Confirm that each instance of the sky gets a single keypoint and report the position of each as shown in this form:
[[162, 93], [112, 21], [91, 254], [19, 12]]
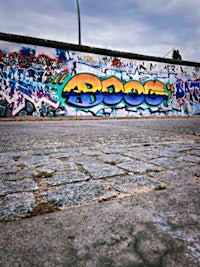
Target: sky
[[147, 27]]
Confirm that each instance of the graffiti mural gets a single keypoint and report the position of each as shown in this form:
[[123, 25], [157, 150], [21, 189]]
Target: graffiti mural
[[43, 81]]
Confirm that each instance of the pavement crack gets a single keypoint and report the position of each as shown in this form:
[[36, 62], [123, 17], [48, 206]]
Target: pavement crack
[[83, 170]]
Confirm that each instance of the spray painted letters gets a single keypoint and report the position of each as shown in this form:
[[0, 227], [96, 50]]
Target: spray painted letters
[[42, 81]]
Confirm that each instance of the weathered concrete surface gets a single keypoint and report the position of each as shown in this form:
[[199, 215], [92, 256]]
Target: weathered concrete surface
[[100, 180]]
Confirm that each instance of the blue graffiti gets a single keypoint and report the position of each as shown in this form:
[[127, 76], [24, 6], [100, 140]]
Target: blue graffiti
[[183, 88], [86, 100]]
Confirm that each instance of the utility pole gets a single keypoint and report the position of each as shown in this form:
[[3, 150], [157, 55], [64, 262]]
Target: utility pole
[[79, 23]]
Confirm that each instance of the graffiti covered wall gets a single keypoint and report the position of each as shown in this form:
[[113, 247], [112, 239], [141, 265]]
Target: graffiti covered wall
[[44, 81]]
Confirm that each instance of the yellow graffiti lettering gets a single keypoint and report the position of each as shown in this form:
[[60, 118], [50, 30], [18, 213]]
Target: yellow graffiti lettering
[[133, 87], [83, 83], [57, 78], [112, 85], [170, 88], [154, 87], [62, 78], [86, 82]]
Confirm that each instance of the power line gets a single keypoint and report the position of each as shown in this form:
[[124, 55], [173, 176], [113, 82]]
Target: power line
[[169, 52]]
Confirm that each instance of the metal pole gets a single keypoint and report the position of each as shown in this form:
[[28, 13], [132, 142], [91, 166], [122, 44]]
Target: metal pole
[[79, 23]]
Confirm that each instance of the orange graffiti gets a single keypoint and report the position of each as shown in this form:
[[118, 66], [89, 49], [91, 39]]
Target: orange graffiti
[[154, 87], [85, 82], [112, 85], [133, 87]]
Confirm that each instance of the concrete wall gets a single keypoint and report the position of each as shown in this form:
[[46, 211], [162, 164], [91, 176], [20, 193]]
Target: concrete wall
[[46, 78]]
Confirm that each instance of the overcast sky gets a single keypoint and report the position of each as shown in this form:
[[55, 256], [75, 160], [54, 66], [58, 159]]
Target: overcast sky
[[148, 27]]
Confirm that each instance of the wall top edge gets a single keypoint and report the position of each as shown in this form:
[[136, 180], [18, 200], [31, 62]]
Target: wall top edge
[[82, 48]]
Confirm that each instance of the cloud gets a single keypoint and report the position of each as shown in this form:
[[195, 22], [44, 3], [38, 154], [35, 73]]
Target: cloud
[[150, 27], [61, 26]]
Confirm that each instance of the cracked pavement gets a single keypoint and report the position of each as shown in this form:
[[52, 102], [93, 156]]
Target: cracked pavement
[[100, 192]]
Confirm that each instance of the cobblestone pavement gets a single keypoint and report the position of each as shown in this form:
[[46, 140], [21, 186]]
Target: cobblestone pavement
[[61, 165]]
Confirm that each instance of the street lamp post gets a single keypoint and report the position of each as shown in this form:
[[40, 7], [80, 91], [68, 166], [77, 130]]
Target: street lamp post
[[79, 23]]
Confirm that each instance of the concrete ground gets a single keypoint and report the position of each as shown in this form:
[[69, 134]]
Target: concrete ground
[[103, 192]]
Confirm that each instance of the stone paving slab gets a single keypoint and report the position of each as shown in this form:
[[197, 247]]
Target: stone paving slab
[[151, 229], [15, 204], [54, 176], [135, 184]]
